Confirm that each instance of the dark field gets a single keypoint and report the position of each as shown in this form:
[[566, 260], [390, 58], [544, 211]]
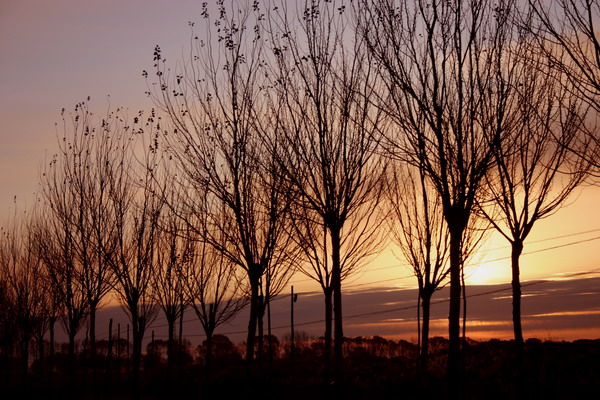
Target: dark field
[[374, 368]]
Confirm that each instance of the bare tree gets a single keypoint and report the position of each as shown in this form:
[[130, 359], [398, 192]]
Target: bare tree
[[49, 298], [214, 103], [442, 63], [565, 33], [24, 283], [418, 228], [58, 234], [87, 151], [8, 332], [535, 171], [136, 203], [172, 252], [213, 287], [329, 130]]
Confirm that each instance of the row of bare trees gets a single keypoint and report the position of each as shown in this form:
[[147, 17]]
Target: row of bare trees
[[101, 230], [490, 121], [294, 137]]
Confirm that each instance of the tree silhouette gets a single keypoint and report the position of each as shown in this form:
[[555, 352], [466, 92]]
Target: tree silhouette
[[418, 228], [136, 203], [172, 253], [329, 132], [57, 236], [442, 66], [24, 283], [214, 289], [218, 120], [87, 151], [565, 33], [535, 170]]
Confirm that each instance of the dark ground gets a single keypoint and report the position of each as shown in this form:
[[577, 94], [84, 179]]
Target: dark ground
[[374, 368]]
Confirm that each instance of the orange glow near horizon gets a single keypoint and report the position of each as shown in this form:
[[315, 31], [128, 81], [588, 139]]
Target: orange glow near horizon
[[84, 56]]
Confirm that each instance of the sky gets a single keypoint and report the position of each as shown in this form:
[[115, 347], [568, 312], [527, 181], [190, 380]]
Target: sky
[[56, 53]]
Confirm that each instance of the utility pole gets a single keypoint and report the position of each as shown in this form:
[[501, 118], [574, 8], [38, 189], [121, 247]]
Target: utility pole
[[119, 340], [179, 350], [110, 338], [128, 342], [293, 299], [110, 346]]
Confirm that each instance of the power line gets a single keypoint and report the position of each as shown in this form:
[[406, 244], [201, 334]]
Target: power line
[[284, 296], [550, 238], [549, 248], [276, 298], [493, 249], [413, 306], [496, 259]]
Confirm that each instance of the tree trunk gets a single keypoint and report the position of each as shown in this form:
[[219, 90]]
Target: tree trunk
[[71, 360], [328, 325], [208, 352], [336, 281], [180, 344], [517, 249], [92, 336], [25, 356], [252, 321], [420, 293], [269, 335], [136, 359], [170, 346], [259, 321], [41, 357], [454, 314], [426, 305], [93, 306], [51, 362], [110, 348], [464, 305], [137, 351]]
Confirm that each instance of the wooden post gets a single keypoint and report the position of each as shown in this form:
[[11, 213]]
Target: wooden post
[[269, 335], [127, 341], [86, 342], [110, 343], [292, 301], [179, 350], [119, 340], [51, 364], [109, 350]]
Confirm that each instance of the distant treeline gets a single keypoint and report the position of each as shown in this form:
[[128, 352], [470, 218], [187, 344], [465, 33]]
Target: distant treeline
[[303, 139]]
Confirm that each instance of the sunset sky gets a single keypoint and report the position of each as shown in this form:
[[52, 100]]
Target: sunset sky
[[54, 54]]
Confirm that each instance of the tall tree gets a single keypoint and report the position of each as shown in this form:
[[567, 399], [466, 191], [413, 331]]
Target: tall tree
[[58, 238], [418, 228], [173, 251], [442, 63], [536, 170], [7, 327], [328, 130], [87, 151], [214, 288], [20, 267], [565, 32], [218, 118], [136, 203]]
